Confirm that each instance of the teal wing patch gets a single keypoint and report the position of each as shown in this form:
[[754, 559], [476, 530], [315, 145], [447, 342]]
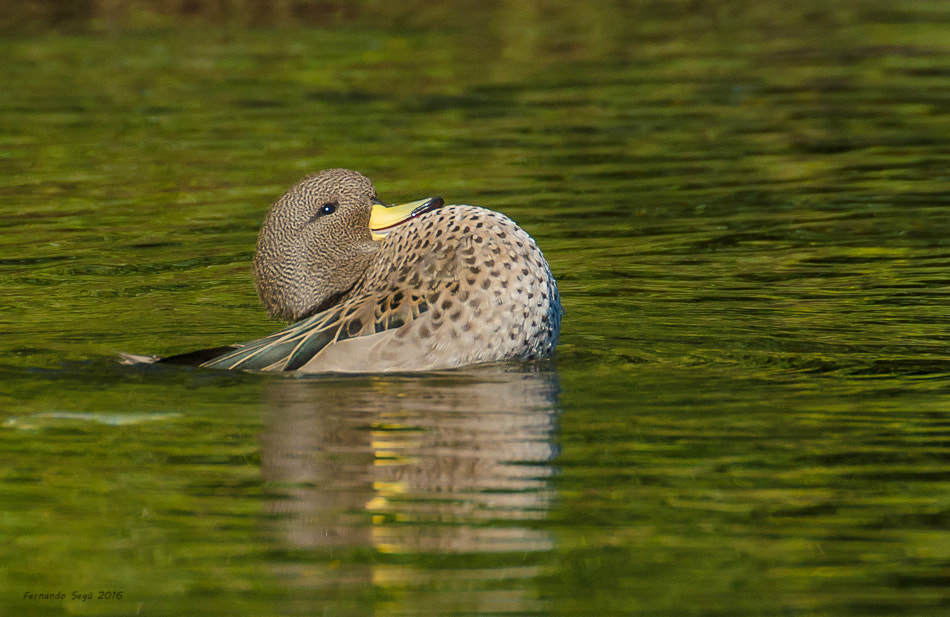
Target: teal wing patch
[[287, 349], [294, 346]]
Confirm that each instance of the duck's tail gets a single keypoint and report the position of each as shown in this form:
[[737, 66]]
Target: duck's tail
[[190, 358]]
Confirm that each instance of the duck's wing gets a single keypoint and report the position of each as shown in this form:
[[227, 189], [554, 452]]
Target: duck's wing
[[397, 292], [294, 346]]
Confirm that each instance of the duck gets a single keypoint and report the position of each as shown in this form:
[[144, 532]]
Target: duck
[[371, 287]]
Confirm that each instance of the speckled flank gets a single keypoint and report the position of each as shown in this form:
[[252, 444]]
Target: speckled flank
[[456, 286], [467, 285]]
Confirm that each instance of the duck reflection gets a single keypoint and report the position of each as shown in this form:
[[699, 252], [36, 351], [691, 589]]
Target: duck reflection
[[448, 463]]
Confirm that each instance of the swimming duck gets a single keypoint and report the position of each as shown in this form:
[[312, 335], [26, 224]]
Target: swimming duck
[[377, 288]]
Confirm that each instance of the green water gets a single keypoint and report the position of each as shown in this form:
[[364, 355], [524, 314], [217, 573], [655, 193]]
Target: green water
[[746, 205]]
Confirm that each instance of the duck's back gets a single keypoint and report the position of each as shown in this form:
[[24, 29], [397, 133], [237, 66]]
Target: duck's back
[[460, 285]]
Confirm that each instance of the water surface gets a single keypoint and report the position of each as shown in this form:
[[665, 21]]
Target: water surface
[[746, 208]]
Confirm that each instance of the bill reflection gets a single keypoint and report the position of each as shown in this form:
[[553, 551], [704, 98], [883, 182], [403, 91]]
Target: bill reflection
[[453, 463]]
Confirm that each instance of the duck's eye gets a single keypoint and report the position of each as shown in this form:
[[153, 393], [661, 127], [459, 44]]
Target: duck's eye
[[328, 208]]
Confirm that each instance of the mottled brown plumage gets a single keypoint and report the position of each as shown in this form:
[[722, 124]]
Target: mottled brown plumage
[[315, 243], [453, 286]]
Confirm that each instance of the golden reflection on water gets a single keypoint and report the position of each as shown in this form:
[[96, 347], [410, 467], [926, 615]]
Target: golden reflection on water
[[446, 464]]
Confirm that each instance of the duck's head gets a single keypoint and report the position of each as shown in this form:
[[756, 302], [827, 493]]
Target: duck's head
[[317, 241]]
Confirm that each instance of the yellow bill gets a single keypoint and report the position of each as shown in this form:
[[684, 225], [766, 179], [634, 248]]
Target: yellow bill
[[386, 218]]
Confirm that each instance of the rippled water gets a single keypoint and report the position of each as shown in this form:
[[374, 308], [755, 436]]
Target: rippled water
[[746, 207]]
